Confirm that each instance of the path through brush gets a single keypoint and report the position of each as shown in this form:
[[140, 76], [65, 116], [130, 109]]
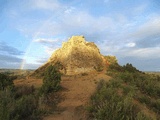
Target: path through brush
[[76, 93]]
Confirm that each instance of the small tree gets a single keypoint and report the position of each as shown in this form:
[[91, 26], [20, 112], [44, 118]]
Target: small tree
[[5, 81], [51, 81], [130, 68]]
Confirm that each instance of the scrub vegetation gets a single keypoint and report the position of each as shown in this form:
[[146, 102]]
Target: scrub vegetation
[[129, 95], [26, 102]]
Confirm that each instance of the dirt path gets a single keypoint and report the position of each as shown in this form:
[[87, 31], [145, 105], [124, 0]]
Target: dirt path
[[29, 82], [76, 93]]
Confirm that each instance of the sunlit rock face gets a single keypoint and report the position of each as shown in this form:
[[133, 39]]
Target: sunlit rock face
[[77, 56]]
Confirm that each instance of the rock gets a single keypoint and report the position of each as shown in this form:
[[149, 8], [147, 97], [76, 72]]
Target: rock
[[77, 56]]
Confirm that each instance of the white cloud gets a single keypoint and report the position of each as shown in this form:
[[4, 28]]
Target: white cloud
[[45, 41], [149, 28], [76, 23], [131, 44], [147, 52], [69, 10], [143, 53], [85, 22]]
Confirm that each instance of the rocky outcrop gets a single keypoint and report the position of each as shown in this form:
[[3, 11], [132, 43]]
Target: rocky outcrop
[[77, 56]]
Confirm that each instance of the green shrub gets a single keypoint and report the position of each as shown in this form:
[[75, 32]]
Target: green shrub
[[149, 102], [115, 68], [51, 81], [24, 90], [128, 67], [7, 102], [144, 99], [17, 103], [108, 104], [141, 116], [5, 81], [129, 90], [155, 105], [23, 102], [143, 87], [25, 108]]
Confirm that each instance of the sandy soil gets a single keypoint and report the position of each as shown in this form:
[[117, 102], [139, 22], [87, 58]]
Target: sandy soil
[[76, 93], [29, 81]]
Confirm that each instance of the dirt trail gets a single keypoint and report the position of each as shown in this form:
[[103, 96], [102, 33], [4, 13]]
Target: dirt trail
[[29, 82], [76, 93]]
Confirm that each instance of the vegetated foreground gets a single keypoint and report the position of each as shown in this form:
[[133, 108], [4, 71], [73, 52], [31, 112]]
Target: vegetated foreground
[[75, 94], [129, 94]]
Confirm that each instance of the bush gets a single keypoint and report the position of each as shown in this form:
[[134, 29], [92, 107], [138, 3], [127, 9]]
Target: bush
[[5, 81], [23, 102], [25, 108], [150, 102], [12, 108], [51, 81], [107, 104], [144, 87], [7, 102], [147, 84], [128, 67], [115, 68], [48, 98], [17, 103], [141, 116], [24, 90]]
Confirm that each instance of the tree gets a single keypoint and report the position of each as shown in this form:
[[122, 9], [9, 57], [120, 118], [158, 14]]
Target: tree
[[5, 81], [51, 81], [130, 68]]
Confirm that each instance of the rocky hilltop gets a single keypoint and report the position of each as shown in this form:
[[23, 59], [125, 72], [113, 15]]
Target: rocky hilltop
[[77, 56]]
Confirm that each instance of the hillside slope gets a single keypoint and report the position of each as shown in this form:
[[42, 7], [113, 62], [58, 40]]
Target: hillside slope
[[76, 94], [76, 56]]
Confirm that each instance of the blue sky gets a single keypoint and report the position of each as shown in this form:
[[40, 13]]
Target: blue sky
[[31, 30]]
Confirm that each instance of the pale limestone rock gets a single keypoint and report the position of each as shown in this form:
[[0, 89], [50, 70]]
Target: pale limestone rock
[[77, 56]]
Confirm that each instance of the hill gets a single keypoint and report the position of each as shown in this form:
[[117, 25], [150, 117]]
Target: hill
[[75, 57]]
